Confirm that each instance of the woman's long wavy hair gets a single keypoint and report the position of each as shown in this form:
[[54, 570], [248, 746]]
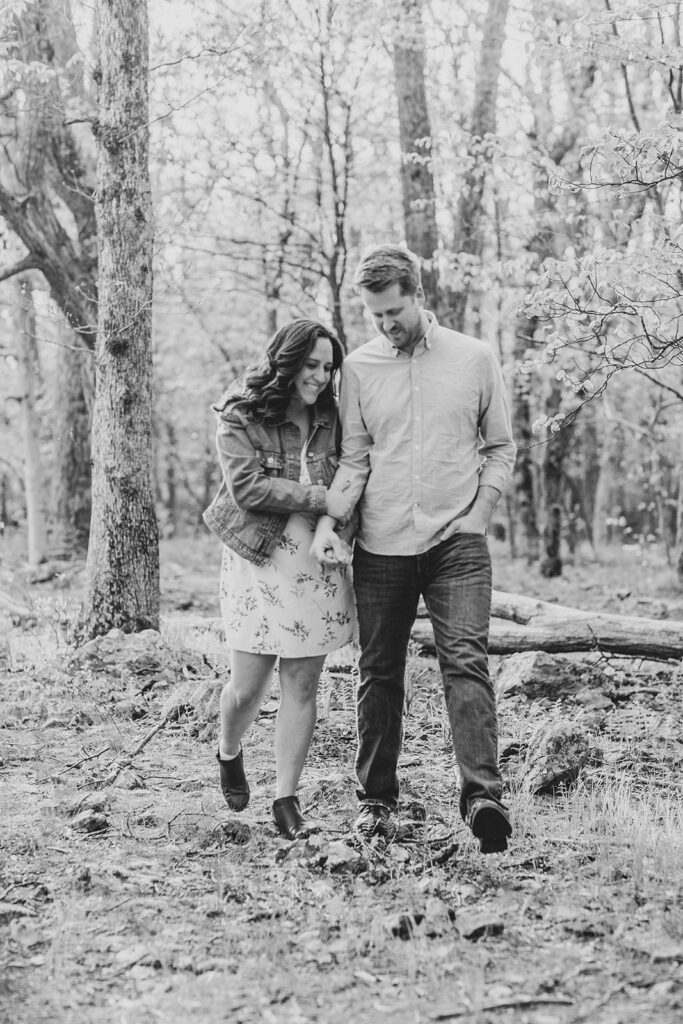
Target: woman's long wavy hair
[[269, 383]]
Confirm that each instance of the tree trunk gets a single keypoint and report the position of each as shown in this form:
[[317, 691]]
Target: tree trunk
[[551, 563], [550, 238], [171, 483], [552, 490], [44, 168], [604, 500], [27, 357], [337, 315], [467, 235], [122, 572], [679, 527], [71, 494], [417, 182], [524, 473], [46, 185], [339, 168], [3, 504], [591, 443]]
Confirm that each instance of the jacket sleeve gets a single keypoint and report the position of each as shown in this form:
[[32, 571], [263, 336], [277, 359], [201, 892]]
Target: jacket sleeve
[[247, 481]]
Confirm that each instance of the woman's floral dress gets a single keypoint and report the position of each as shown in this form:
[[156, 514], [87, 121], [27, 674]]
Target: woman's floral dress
[[290, 606]]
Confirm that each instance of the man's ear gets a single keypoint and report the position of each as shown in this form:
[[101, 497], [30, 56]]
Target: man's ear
[[419, 293]]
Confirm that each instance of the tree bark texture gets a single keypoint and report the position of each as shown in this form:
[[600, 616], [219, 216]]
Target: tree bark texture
[[525, 484], [46, 197], [47, 169], [27, 357], [551, 496], [339, 169], [71, 495], [467, 234], [550, 238], [417, 182], [122, 573], [605, 487], [525, 624], [679, 527]]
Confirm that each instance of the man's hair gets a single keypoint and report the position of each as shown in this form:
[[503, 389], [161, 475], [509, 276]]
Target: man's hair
[[385, 265]]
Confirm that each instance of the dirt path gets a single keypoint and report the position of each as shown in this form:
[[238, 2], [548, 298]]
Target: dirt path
[[145, 900], [173, 910]]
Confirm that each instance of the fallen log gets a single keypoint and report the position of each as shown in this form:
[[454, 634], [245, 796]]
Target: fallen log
[[525, 624]]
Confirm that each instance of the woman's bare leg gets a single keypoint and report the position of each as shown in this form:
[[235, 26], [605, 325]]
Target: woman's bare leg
[[295, 719], [242, 695]]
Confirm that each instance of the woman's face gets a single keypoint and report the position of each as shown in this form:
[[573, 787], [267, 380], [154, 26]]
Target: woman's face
[[314, 375]]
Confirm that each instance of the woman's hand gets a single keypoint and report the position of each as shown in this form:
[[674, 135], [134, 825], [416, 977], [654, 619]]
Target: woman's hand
[[327, 547], [338, 505]]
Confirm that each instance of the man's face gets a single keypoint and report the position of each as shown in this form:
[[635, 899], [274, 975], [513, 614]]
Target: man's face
[[398, 317]]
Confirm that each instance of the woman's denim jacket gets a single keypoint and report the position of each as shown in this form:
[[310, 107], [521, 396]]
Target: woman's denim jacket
[[261, 464]]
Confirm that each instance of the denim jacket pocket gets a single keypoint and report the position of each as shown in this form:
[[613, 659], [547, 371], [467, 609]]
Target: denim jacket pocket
[[272, 462], [322, 466]]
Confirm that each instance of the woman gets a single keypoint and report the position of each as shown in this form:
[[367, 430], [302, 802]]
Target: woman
[[278, 443]]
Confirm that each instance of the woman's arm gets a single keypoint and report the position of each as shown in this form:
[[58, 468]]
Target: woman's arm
[[253, 488]]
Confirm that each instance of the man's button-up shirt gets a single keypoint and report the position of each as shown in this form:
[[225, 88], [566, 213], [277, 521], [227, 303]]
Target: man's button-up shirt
[[420, 434]]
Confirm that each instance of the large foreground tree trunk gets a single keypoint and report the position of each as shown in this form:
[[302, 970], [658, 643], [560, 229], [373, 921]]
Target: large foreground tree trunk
[[122, 575]]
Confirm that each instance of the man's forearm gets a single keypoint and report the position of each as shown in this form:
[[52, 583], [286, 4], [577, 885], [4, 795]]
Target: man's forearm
[[484, 503], [351, 480]]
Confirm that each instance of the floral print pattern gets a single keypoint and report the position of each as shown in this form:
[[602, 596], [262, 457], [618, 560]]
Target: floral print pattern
[[291, 606]]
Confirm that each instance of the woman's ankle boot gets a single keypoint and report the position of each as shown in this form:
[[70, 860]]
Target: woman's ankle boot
[[234, 785], [289, 820]]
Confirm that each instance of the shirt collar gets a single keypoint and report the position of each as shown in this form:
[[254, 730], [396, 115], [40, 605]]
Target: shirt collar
[[426, 341], [429, 337]]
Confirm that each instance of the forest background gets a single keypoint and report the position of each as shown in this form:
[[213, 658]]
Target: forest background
[[530, 153], [176, 180]]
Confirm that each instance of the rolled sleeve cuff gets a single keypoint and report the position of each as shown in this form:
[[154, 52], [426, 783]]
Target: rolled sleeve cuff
[[495, 476], [319, 499]]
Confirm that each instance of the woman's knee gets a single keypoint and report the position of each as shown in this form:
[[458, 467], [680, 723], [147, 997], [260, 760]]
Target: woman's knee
[[239, 695], [299, 681]]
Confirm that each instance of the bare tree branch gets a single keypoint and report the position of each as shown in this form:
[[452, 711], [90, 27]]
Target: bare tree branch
[[31, 262]]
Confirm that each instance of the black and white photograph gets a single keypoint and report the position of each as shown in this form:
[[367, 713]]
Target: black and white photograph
[[341, 511]]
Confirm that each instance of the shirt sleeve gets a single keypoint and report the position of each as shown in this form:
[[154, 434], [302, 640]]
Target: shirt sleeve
[[498, 448], [249, 484], [354, 464]]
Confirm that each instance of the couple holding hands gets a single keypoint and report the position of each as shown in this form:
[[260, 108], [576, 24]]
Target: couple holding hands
[[407, 469]]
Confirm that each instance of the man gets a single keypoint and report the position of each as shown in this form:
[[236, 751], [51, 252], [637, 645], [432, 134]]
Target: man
[[428, 449]]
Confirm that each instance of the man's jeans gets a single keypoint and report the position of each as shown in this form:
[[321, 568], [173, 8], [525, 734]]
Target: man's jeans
[[455, 580]]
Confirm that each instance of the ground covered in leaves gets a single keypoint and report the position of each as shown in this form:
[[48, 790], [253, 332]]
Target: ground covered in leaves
[[129, 893]]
